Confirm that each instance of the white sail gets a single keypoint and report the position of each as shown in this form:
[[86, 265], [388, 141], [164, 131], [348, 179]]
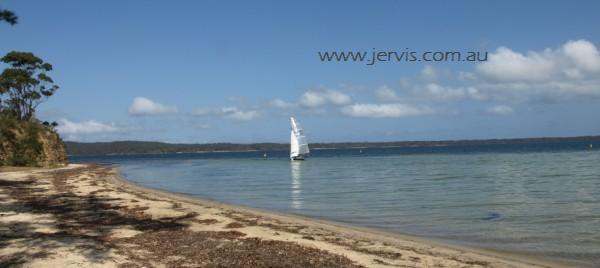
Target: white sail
[[298, 144], [294, 147]]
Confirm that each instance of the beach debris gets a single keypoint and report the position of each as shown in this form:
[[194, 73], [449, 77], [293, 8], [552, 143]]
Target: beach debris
[[225, 249], [234, 225], [205, 221]]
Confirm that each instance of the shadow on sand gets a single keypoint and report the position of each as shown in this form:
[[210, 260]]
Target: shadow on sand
[[81, 222]]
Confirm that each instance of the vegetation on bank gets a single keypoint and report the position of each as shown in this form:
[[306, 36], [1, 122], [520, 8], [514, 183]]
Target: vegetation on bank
[[24, 84], [20, 144], [29, 143]]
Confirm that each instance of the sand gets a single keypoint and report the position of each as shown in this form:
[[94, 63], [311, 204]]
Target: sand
[[87, 216]]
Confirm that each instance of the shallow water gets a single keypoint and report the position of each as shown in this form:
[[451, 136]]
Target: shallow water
[[539, 199]]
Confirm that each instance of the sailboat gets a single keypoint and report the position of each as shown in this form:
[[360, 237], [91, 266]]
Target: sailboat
[[298, 145]]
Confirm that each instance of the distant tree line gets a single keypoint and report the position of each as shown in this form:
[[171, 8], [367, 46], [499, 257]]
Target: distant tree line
[[145, 147]]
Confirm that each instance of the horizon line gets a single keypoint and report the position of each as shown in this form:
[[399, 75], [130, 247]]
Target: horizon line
[[341, 142]]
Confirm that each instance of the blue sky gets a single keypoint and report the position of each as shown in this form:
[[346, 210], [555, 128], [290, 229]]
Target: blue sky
[[214, 71]]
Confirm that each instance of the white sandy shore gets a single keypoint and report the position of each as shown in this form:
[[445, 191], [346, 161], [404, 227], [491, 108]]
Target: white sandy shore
[[30, 237]]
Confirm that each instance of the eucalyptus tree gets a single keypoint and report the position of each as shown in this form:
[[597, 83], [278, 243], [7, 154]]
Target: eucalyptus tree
[[24, 84]]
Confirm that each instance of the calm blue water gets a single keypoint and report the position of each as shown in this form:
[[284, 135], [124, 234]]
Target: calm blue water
[[541, 199]]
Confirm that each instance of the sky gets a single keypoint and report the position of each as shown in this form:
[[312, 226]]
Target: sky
[[224, 71]]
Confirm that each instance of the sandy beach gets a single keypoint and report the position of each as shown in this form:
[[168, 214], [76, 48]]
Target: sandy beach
[[87, 216]]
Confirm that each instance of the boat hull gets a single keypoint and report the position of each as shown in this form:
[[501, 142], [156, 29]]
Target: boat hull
[[297, 158]]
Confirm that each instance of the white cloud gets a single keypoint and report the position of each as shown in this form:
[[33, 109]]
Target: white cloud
[[429, 73], [66, 126], [232, 112], [573, 60], [500, 110], [315, 99], [570, 71], [385, 110], [584, 55], [506, 65], [385, 93], [144, 106], [440, 92], [553, 89], [281, 104], [238, 114], [433, 74], [466, 76]]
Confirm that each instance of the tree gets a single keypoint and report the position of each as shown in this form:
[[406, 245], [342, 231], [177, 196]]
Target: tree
[[52, 125], [25, 84], [8, 16]]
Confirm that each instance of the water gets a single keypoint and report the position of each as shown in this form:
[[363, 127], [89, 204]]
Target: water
[[538, 199]]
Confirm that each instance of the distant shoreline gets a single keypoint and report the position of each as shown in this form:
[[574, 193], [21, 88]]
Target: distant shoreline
[[151, 147]]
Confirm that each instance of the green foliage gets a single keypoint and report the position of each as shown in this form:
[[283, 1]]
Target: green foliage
[[8, 16], [7, 124], [20, 141], [25, 84], [29, 150], [29, 143]]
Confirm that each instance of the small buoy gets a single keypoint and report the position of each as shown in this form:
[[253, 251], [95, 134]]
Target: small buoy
[[361, 151], [265, 155], [590, 146]]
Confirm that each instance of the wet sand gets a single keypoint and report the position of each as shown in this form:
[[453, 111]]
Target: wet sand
[[87, 216]]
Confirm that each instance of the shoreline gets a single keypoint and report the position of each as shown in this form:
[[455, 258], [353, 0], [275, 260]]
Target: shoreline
[[380, 234], [122, 221]]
